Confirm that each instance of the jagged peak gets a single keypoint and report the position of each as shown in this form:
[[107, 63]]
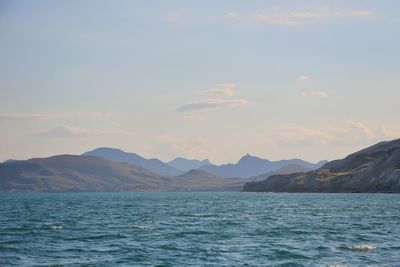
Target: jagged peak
[[248, 157]]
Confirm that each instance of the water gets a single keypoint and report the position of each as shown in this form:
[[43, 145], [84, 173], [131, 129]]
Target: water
[[207, 229]]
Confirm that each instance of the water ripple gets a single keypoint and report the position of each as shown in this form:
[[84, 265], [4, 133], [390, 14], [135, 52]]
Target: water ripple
[[199, 229]]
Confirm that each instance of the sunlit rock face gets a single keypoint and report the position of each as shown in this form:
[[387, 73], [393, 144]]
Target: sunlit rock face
[[374, 169]]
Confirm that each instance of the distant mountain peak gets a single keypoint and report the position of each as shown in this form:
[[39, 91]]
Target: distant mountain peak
[[108, 150], [372, 169], [249, 158], [118, 155], [184, 164], [250, 166]]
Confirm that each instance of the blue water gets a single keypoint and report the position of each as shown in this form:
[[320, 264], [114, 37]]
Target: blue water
[[206, 229]]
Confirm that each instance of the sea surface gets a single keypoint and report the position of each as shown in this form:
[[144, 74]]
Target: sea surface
[[199, 229]]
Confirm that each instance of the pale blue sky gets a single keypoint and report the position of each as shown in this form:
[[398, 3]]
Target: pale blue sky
[[199, 79]]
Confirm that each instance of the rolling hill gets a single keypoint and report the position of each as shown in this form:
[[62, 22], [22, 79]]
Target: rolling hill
[[187, 164], [71, 173], [373, 169], [250, 166], [117, 155]]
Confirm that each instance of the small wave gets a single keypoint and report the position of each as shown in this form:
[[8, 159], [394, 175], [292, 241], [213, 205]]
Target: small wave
[[56, 228], [336, 265], [140, 226], [362, 248]]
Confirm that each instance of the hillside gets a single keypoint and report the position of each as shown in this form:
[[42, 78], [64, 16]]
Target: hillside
[[154, 165], [289, 169], [250, 166], [373, 169], [70, 173], [78, 173], [187, 164]]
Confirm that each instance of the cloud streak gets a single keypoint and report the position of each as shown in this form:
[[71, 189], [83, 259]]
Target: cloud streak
[[349, 133], [210, 104], [223, 89], [48, 116], [220, 96], [193, 146], [303, 78], [318, 93], [293, 18], [66, 131]]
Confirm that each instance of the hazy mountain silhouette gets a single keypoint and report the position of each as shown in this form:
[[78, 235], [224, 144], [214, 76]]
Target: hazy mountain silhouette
[[374, 169], [154, 165], [288, 169], [76, 173], [187, 164], [66, 173], [250, 166]]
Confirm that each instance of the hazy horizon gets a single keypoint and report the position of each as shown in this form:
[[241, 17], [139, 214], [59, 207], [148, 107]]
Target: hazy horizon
[[314, 80]]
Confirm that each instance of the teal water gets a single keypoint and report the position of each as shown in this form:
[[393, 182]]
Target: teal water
[[202, 229]]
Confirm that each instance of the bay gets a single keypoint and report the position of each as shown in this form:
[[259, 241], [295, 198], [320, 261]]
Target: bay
[[199, 229]]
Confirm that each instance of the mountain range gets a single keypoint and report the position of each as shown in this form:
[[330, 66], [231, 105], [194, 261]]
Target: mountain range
[[250, 166], [117, 155], [82, 173], [247, 167], [188, 164], [373, 169], [72, 173]]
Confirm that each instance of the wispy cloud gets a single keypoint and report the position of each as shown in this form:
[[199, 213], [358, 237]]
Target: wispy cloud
[[349, 133], [388, 133], [223, 89], [188, 146], [303, 78], [66, 131], [361, 127], [220, 96], [287, 136], [172, 17], [20, 116], [51, 115], [318, 93], [208, 104], [232, 15], [194, 118], [299, 17]]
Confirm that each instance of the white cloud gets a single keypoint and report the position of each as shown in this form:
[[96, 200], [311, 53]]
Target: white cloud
[[319, 93], [286, 17], [287, 136], [172, 17], [388, 133], [50, 115], [348, 133], [362, 127], [232, 15], [189, 146], [194, 118], [303, 78], [21, 116], [209, 104], [218, 97], [66, 131], [223, 89]]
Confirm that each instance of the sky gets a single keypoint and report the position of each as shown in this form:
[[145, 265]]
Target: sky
[[199, 79]]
